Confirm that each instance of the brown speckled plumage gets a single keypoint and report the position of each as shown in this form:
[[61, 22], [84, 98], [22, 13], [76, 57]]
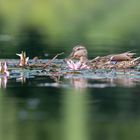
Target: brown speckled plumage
[[118, 61]]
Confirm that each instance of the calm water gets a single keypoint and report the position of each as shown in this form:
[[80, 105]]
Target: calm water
[[56, 103], [64, 105]]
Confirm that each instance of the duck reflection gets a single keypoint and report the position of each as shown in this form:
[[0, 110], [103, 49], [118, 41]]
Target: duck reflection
[[123, 82], [3, 82], [104, 82], [79, 82]]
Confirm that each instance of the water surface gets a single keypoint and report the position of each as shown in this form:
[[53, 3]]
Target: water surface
[[56, 103]]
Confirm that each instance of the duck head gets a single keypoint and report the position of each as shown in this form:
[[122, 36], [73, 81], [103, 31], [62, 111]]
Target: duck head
[[79, 52]]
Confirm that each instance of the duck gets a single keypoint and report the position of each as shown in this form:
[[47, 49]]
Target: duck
[[123, 60]]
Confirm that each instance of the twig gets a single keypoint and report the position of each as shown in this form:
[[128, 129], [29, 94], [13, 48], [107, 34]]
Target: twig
[[50, 61]]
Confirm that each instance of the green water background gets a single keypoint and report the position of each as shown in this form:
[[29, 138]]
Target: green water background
[[38, 27]]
